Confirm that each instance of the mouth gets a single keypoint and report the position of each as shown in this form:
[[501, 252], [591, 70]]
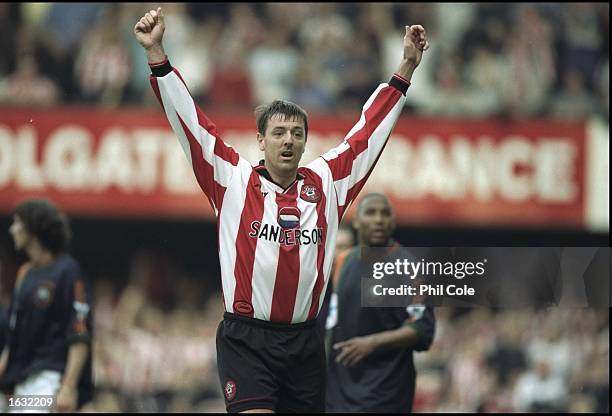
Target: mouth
[[287, 155]]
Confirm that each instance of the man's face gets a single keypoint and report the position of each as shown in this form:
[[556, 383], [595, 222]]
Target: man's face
[[283, 144], [20, 234], [374, 221]]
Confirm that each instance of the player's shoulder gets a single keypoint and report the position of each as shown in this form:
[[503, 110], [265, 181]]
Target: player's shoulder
[[67, 260], [316, 167], [348, 255], [68, 265], [23, 270]]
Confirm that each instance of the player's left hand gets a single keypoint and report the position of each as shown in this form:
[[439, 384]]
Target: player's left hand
[[66, 400], [354, 350]]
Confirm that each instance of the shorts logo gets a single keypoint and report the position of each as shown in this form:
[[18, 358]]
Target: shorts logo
[[43, 294], [243, 307], [310, 193], [230, 390], [289, 217]]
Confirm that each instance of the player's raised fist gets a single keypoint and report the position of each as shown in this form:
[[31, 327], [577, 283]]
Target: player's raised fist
[[415, 42], [149, 30]]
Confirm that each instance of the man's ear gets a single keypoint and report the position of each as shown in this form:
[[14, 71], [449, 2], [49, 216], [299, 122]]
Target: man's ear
[[260, 141]]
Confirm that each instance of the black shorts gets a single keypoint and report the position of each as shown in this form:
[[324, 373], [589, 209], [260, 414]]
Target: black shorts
[[266, 365]]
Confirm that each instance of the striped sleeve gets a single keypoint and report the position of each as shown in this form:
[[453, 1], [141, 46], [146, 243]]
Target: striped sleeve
[[352, 161], [213, 161]]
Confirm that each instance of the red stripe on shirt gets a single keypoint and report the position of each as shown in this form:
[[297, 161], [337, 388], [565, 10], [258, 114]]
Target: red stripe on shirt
[[203, 170], [384, 102], [321, 223], [287, 271], [155, 87], [246, 245], [355, 189], [224, 152]]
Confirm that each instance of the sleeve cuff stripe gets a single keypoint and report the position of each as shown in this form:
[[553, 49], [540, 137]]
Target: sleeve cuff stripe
[[161, 69], [159, 63]]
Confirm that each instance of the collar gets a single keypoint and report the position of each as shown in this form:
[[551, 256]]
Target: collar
[[261, 169]]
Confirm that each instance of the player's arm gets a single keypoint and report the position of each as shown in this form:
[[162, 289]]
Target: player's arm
[[4, 360], [212, 160], [415, 333], [67, 396], [23, 269], [76, 315], [352, 161]]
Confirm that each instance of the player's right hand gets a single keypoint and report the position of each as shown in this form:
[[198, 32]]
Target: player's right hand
[[149, 30]]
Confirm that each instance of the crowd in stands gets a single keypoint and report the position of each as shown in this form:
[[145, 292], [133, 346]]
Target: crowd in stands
[[523, 60]]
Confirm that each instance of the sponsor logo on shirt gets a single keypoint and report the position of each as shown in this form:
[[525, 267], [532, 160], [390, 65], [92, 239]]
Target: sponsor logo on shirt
[[289, 217], [286, 236]]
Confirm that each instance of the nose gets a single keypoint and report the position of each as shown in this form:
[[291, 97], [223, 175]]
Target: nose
[[378, 218], [288, 138]]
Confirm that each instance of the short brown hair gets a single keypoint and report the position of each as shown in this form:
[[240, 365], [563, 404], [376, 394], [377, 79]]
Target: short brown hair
[[263, 113]]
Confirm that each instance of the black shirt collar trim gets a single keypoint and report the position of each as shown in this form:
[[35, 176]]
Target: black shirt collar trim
[[261, 169]]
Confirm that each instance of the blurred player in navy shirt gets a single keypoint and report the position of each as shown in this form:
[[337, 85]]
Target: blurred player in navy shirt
[[48, 344]]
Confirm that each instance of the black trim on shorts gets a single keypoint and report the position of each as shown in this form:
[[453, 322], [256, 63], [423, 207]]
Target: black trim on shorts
[[268, 324]]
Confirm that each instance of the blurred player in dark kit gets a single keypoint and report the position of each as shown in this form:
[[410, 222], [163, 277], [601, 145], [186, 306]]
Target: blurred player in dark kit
[[48, 347], [370, 363]]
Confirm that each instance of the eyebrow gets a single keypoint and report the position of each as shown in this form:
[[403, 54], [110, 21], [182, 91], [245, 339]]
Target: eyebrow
[[293, 128]]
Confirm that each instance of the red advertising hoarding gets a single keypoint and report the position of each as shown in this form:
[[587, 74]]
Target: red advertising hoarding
[[128, 164]]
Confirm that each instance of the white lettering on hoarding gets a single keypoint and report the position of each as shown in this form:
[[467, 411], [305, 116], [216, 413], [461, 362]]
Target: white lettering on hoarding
[[67, 158], [28, 174], [512, 169], [515, 154], [6, 157], [556, 159]]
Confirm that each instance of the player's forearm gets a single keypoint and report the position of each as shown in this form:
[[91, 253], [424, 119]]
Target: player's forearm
[[4, 360], [406, 69], [405, 336], [156, 54], [77, 356]]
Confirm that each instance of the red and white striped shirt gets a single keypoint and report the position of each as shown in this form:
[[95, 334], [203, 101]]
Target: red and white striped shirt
[[276, 245]]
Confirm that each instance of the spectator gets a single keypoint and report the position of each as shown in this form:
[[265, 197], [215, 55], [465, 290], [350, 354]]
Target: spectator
[[573, 102], [27, 86], [308, 92], [539, 390], [582, 40], [451, 97], [273, 66], [103, 65], [63, 28], [530, 58], [10, 22]]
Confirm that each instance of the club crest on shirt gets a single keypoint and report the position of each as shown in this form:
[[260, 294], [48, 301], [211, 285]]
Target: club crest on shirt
[[230, 390], [289, 217], [310, 193], [243, 307], [43, 295]]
